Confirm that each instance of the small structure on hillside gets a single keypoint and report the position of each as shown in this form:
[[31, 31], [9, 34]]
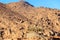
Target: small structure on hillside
[[21, 0]]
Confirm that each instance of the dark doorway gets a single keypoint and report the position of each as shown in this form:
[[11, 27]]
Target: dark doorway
[[56, 39]]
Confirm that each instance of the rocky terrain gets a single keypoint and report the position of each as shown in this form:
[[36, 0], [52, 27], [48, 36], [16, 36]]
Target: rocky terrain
[[23, 21]]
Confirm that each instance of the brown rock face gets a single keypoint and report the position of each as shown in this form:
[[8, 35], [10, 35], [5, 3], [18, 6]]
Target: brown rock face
[[22, 21]]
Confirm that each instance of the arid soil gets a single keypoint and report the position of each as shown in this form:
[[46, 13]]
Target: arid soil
[[23, 21]]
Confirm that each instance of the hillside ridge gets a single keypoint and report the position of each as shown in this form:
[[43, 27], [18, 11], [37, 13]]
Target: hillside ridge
[[23, 21]]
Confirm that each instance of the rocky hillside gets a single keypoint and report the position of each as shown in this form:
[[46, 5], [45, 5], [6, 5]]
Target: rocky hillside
[[23, 21]]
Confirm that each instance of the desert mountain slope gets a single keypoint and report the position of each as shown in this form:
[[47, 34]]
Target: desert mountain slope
[[22, 21]]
